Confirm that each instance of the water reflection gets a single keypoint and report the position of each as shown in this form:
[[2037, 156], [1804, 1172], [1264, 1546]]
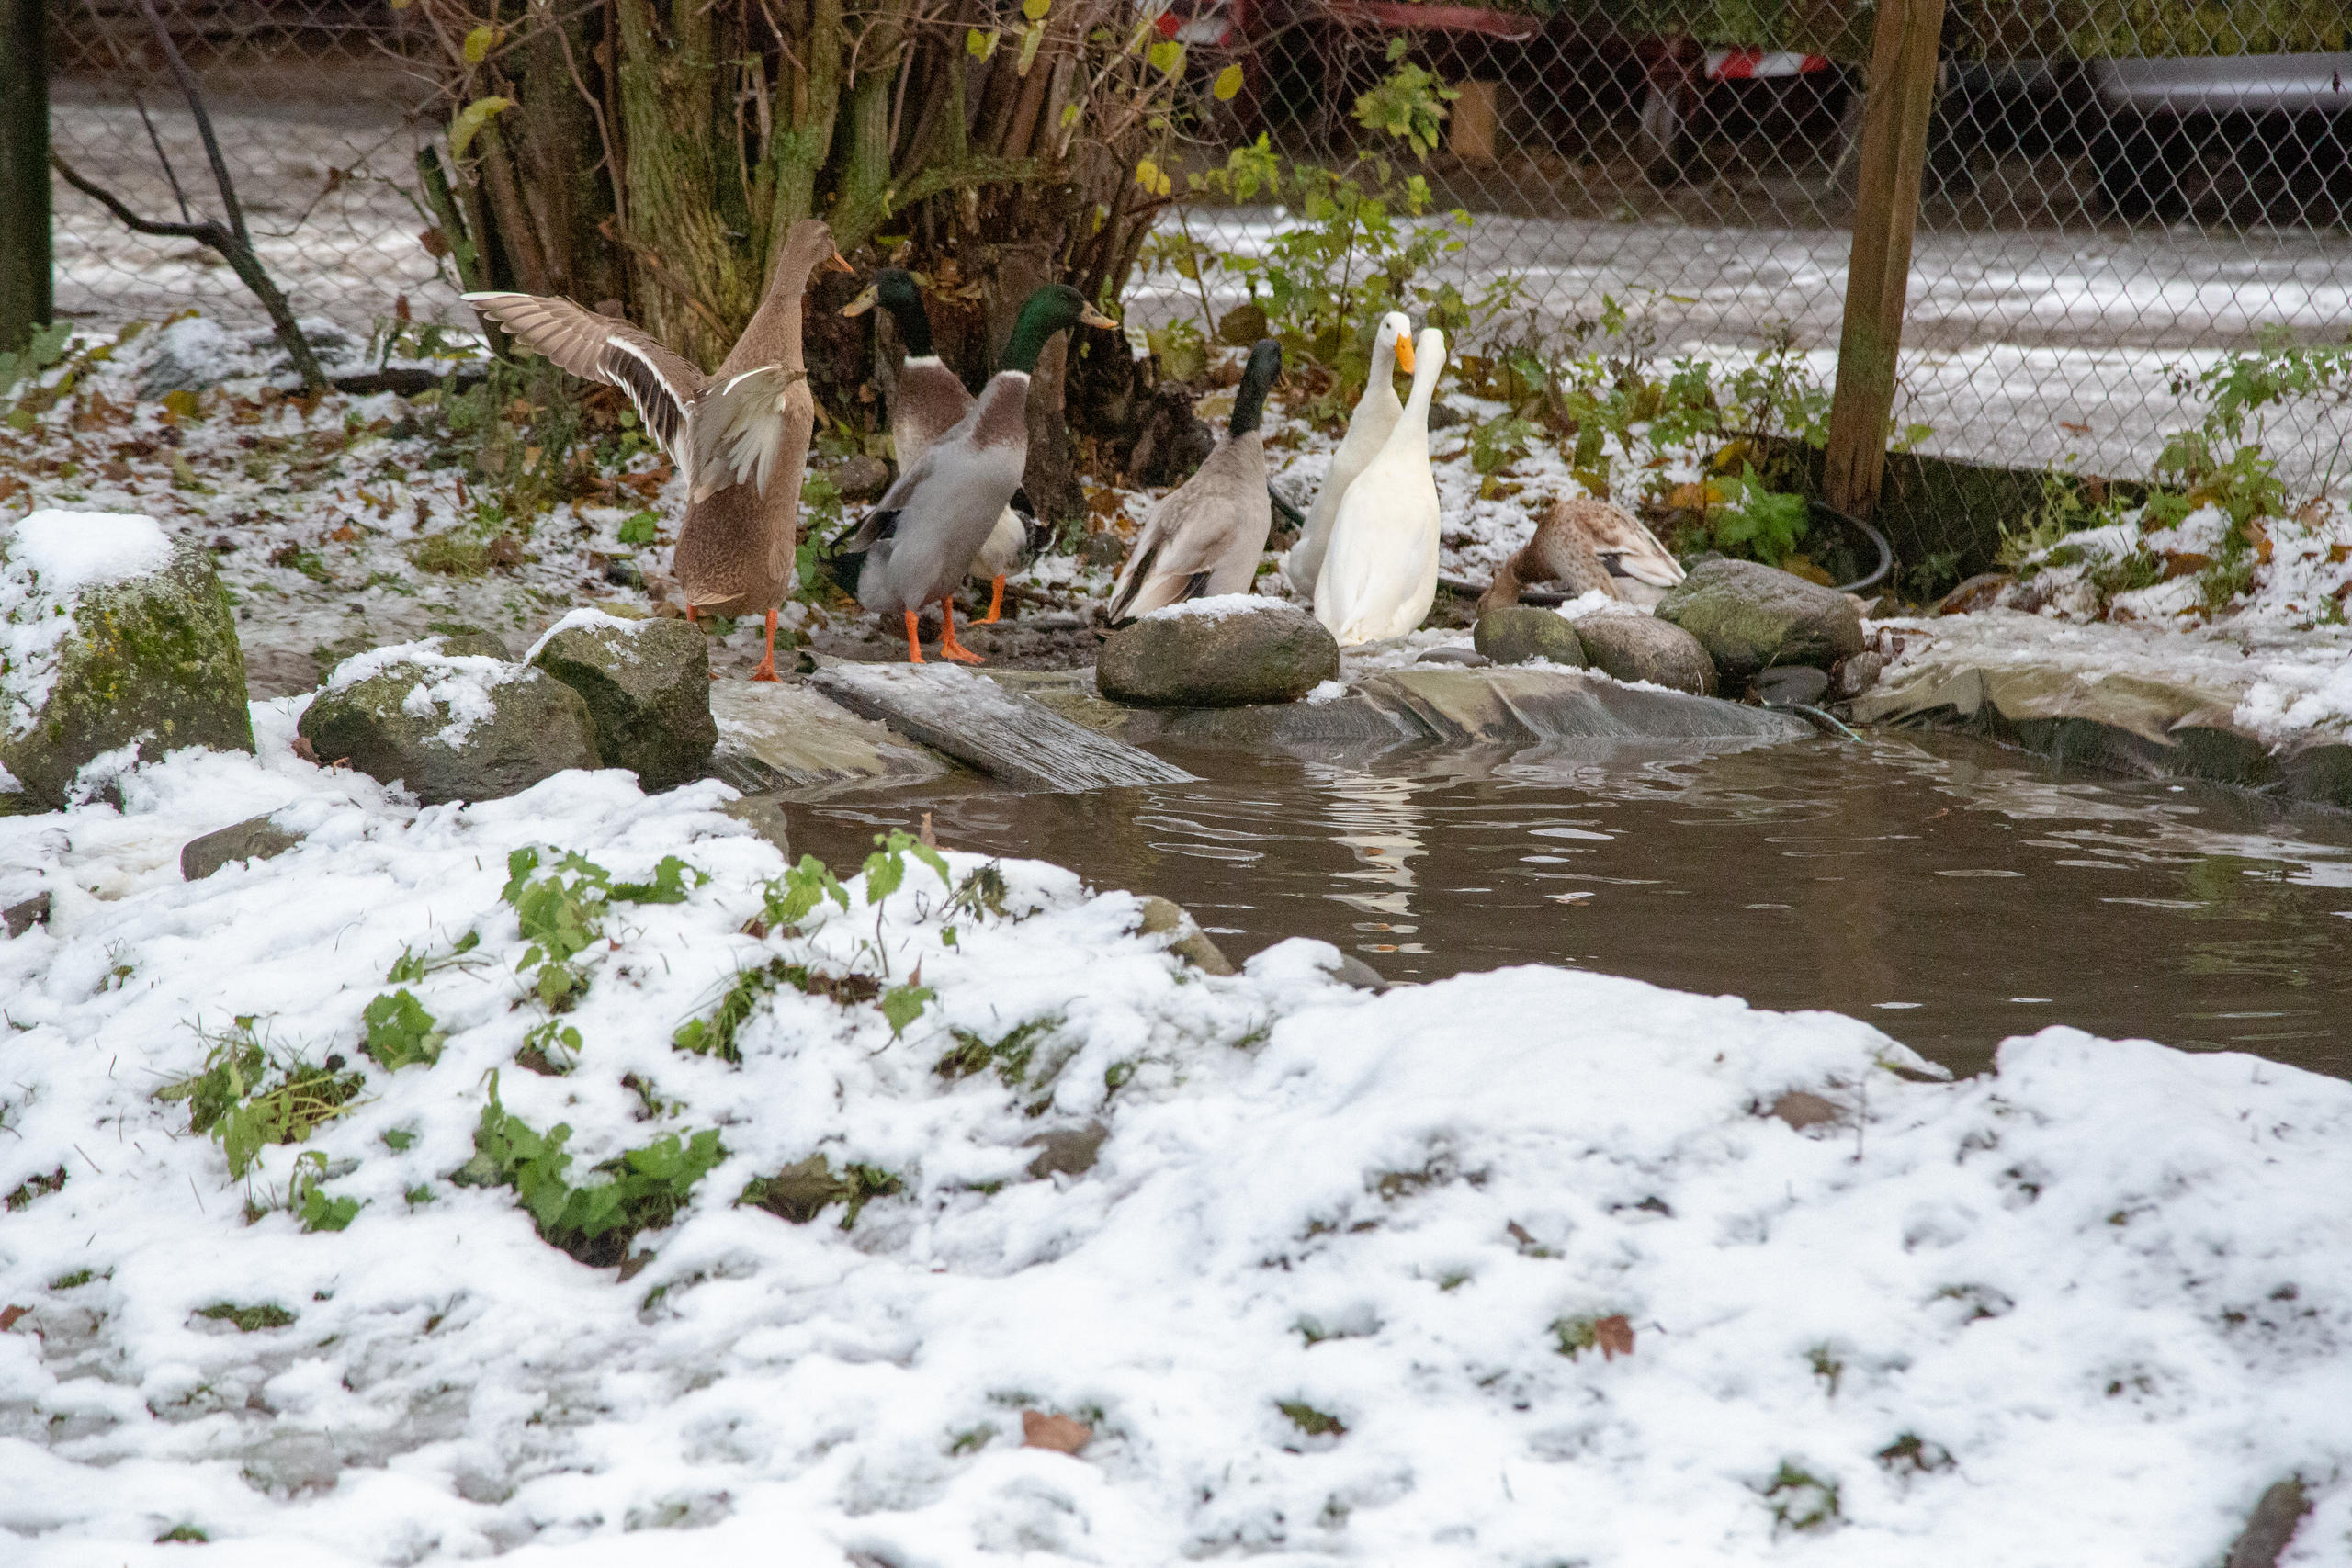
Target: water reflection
[[1951, 891]]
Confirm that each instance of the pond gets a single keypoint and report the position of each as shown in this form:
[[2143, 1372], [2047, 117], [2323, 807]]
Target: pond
[[1950, 891]]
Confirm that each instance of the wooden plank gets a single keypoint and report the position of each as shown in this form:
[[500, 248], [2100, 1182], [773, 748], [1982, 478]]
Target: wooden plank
[[1878, 272], [1470, 129], [24, 259], [971, 718]]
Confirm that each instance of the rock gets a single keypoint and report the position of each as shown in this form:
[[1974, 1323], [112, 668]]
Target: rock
[[1193, 945], [2272, 1525], [449, 728], [1791, 685], [764, 815], [1749, 617], [861, 478], [1979, 592], [1468, 658], [1801, 1109], [25, 914], [256, 838], [1445, 416], [1643, 648], [1222, 652], [110, 636], [475, 645], [1517, 634], [1353, 971], [647, 685], [1015, 740], [789, 737], [1858, 674], [1070, 1152], [1102, 548]]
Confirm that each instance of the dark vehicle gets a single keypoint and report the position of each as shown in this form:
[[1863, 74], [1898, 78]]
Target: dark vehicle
[[2265, 130]]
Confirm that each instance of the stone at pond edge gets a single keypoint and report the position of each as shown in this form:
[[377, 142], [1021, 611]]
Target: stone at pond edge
[[764, 815], [537, 727], [1244, 651], [1468, 658], [1517, 634], [1749, 617], [1353, 971], [861, 478], [1792, 684], [21, 917], [647, 685], [1193, 945], [256, 838], [151, 661], [2271, 1527], [1643, 648]]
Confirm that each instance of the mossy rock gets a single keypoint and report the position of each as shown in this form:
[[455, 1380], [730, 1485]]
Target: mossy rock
[[647, 685], [1217, 653], [451, 728], [1643, 648], [150, 661], [1749, 617], [1517, 634]]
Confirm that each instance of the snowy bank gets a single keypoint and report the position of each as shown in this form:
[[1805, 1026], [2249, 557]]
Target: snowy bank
[[1350, 1278]]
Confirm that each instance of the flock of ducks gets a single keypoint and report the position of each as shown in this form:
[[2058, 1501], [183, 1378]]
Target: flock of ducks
[[1367, 557]]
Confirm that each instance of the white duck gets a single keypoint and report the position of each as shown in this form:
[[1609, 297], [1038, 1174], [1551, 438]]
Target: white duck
[[1379, 577], [1376, 416]]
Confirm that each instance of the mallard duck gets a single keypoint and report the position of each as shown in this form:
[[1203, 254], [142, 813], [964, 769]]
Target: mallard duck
[[1205, 536], [1584, 544], [925, 402], [1376, 416], [1379, 577], [741, 435], [920, 539]]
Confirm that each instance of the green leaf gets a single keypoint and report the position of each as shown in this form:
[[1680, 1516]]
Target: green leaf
[[980, 43], [1227, 85], [903, 1004], [400, 1032], [638, 528], [1035, 9], [1031, 37], [1166, 57], [470, 119]]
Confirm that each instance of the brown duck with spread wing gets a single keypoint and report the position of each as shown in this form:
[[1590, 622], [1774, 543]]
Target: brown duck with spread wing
[[1583, 544], [740, 437]]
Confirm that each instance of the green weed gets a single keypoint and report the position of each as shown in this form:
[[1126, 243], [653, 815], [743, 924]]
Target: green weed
[[400, 1032], [247, 1097], [247, 1319]]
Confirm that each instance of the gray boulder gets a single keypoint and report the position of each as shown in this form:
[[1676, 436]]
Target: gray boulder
[[1643, 648], [647, 685], [447, 727], [1792, 684], [1750, 617], [1215, 653], [1517, 634], [110, 636], [256, 838], [1163, 917]]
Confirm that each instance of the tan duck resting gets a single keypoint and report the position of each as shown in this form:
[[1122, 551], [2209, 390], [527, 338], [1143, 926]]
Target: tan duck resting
[[920, 539], [927, 400], [1587, 544], [741, 435]]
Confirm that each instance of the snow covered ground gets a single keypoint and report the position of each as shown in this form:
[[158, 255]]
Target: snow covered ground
[[1515, 1269]]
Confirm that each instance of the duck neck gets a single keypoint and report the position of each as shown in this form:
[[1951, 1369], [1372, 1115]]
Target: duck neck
[[1249, 397], [914, 326], [1429, 364], [1505, 588], [1040, 319], [774, 335]]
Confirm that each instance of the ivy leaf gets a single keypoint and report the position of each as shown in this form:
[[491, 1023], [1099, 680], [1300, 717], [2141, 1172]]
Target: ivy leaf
[[903, 1004], [1228, 84]]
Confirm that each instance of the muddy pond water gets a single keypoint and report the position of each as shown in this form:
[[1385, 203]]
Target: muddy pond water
[[1952, 892]]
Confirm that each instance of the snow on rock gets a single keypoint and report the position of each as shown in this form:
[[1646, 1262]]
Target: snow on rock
[[1217, 608], [457, 688], [1341, 1284], [45, 559]]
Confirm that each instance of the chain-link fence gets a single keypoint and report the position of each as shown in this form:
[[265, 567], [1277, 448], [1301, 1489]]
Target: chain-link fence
[[2114, 189]]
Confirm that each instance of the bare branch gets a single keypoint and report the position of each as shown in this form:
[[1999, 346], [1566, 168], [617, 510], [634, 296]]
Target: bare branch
[[209, 230], [188, 89]]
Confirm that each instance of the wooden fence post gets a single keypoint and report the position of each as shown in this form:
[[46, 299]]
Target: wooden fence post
[[25, 257], [1895, 148]]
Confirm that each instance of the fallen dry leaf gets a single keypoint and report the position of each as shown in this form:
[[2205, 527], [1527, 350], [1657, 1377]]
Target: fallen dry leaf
[[1614, 1335], [1801, 1109], [302, 748], [1059, 1433], [8, 1316]]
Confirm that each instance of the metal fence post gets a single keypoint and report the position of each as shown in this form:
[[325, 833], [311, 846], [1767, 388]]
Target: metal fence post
[[1895, 149], [25, 260]]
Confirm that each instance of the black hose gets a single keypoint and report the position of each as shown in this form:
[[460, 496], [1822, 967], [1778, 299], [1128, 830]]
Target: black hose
[[1290, 514], [1885, 550]]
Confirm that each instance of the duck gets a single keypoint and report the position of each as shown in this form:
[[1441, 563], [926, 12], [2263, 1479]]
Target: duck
[[1376, 413], [1206, 536], [741, 435], [920, 539], [926, 399], [1586, 545], [1379, 575]]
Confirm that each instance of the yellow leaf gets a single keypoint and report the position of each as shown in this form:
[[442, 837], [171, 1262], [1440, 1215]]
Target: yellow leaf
[[1029, 42], [1035, 9], [979, 42], [181, 401], [401, 5], [1167, 56], [469, 121], [1070, 114], [1149, 176], [1228, 84], [479, 42]]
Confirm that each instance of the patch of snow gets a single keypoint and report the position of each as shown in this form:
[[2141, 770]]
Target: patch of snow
[[1217, 607], [459, 688], [589, 619], [1317, 1297]]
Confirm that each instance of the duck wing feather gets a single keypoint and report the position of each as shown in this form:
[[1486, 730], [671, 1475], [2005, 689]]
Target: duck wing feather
[[661, 385], [741, 426]]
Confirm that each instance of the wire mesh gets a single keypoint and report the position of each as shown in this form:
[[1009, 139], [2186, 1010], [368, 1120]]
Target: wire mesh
[[2115, 188]]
